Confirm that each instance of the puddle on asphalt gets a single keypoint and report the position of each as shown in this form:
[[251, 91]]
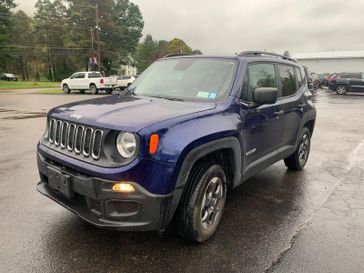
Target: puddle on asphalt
[[27, 115], [5, 110]]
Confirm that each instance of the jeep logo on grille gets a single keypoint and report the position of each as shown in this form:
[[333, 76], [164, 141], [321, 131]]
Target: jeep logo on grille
[[76, 116]]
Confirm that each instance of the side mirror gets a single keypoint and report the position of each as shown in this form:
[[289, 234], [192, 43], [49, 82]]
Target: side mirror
[[265, 95]]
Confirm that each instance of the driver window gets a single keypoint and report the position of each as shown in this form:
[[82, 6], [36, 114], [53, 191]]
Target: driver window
[[258, 75]]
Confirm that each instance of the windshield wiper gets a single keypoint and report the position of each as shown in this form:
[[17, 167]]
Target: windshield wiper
[[167, 98]]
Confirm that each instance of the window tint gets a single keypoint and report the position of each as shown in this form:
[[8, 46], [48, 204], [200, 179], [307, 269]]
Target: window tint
[[94, 75], [350, 76], [78, 76], [258, 75], [288, 80], [299, 77]]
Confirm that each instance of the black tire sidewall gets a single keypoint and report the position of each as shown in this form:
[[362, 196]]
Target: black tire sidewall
[[66, 89], [197, 197], [304, 131], [346, 89], [93, 89]]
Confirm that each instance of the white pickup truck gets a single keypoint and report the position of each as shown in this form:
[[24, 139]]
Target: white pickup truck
[[91, 80]]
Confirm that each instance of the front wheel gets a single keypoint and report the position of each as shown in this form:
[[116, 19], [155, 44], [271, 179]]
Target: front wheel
[[203, 203], [341, 89], [299, 158], [93, 89], [66, 89]]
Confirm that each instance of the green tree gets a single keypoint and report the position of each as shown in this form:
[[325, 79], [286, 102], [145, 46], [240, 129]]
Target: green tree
[[149, 50], [178, 46], [120, 27], [147, 53], [5, 31], [22, 42], [50, 21]]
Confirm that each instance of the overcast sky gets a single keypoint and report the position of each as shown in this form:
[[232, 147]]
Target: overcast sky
[[225, 27]]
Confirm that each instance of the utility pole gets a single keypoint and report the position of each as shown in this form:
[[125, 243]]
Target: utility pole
[[92, 40], [98, 34]]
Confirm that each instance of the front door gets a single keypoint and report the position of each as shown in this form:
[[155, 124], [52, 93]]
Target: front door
[[261, 126], [357, 85], [76, 81]]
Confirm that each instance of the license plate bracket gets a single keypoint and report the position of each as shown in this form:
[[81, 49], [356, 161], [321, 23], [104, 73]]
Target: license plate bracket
[[60, 182]]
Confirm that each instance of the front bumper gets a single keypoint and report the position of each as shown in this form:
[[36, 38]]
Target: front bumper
[[94, 200]]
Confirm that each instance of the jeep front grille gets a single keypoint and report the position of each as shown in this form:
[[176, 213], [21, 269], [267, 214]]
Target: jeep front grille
[[75, 138]]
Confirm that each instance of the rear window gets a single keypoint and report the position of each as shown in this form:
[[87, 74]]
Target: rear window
[[350, 75], [94, 75], [299, 77], [288, 80]]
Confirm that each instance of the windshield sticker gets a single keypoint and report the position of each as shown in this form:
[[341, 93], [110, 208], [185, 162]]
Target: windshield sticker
[[212, 96], [202, 94]]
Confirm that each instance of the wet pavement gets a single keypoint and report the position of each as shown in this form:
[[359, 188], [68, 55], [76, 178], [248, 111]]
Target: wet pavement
[[277, 221]]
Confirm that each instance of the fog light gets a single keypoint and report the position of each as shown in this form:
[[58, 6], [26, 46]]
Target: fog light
[[123, 187]]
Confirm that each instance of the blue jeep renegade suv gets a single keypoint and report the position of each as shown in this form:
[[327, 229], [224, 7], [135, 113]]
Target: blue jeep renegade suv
[[187, 130]]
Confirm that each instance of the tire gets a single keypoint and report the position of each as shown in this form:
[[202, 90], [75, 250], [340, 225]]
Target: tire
[[93, 89], [66, 89], [203, 202], [341, 89], [109, 91], [299, 158]]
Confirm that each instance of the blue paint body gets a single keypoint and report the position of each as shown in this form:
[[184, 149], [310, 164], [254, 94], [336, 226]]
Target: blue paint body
[[181, 126]]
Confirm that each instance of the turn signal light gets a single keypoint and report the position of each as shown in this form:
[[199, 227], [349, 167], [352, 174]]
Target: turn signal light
[[123, 187], [153, 143]]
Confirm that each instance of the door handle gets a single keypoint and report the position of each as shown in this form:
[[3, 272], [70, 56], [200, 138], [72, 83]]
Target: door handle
[[301, 106], [278, 113]]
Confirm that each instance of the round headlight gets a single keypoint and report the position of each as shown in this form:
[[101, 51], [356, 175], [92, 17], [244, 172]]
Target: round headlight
[[126, 144]]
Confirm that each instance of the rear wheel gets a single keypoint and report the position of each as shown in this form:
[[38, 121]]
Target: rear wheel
[[299, 158], [93, 89], [341, 89], [66, 89], [203, 202]]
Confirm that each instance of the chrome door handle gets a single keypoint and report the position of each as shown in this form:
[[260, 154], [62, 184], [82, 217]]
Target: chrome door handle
[[279, 113]]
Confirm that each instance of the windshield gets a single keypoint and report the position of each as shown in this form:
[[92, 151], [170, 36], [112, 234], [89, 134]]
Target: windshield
[[187, 79]]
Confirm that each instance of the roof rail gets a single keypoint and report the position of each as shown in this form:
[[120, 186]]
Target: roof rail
[[263, 53], [175, 55]]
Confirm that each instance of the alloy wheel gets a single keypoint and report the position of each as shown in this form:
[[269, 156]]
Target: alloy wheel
[[213, 202]]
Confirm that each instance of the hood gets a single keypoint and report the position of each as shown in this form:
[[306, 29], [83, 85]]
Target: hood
[[129, 113]]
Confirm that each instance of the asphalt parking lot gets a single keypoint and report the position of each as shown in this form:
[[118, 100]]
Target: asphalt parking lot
[[277, 221]]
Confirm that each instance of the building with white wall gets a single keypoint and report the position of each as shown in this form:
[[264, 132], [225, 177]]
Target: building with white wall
[[332, 61]]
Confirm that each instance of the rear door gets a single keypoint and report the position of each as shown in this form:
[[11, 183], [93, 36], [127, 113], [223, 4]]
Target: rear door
[[261, 126], [357, 82], [291, 85]]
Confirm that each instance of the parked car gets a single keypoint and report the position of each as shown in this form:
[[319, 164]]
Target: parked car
[[348, 82], [91, 80], [331, 79], [309, 79], [124, 81], [315, 81], [8, 77], [189, 129]]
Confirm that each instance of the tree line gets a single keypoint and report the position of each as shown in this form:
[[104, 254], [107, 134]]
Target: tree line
[[67, 36]]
